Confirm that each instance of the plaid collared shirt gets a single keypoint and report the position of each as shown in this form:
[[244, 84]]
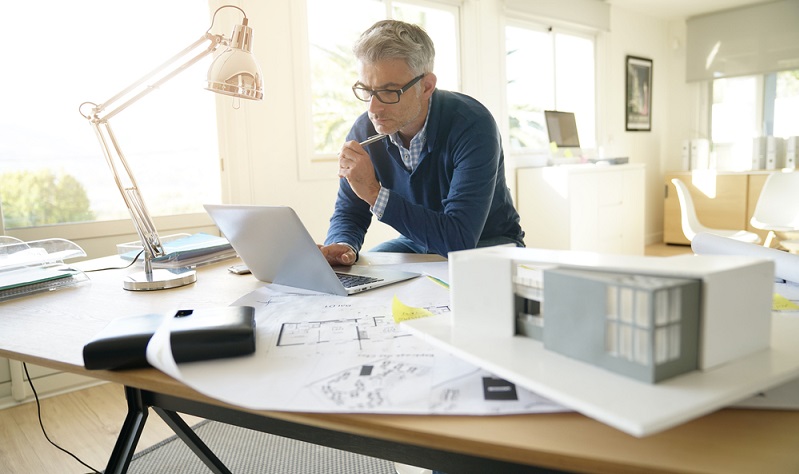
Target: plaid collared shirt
[[410, 157]]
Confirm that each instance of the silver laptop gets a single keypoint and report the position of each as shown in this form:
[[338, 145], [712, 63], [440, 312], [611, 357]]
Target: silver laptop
[[277, 248]]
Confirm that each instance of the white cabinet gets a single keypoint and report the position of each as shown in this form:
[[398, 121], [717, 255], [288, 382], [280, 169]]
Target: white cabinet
[[596, 208]]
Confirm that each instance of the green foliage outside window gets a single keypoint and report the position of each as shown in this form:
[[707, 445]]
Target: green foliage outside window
[[33, 198], [788, 83], [335, 107], [334, 71]]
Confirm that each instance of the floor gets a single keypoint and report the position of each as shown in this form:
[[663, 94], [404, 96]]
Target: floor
[[85, 422], [666, 250]]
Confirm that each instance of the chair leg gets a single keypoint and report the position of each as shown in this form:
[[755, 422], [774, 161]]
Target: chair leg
[[769, 239]]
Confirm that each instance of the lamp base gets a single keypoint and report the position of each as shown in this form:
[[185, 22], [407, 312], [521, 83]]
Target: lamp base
[[160, 279]]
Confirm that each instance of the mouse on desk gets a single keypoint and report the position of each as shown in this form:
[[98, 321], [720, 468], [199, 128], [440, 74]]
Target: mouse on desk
[[239, 269]]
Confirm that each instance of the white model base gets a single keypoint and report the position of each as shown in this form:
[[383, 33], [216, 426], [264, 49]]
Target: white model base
[[637, 408]]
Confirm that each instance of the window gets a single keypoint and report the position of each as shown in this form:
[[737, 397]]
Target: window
[[735, 121], [786, 104], [547, 70], [52, 169], [628, 327], [332, 30], [752, 106]]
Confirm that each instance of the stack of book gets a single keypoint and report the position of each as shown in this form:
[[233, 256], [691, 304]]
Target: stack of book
[[184, 250]]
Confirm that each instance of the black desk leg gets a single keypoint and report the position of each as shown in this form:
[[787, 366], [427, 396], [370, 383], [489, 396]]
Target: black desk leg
[[130, 433], [133, 426], [193, 441]]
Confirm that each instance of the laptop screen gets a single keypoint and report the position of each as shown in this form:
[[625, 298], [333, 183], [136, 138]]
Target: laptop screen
[[562, 129]]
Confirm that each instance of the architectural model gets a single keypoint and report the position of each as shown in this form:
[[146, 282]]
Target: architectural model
[[648, 318]]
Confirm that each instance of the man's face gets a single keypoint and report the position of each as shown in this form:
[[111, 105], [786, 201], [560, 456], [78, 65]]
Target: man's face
[[405, 115]]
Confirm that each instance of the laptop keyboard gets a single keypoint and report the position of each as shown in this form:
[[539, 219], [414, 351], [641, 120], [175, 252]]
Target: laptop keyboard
[[350, 281]]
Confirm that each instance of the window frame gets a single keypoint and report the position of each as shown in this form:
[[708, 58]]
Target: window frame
[[534, 23], [765, 97]]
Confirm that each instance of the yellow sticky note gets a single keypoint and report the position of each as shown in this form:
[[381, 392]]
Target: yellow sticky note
[[553, 147], [403, 312], [781, 303]]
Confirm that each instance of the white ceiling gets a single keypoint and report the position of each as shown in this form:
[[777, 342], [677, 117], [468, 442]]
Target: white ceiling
[[681, 9]]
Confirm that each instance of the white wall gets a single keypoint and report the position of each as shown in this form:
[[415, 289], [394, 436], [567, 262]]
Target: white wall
[[678, 108], [636, 35]]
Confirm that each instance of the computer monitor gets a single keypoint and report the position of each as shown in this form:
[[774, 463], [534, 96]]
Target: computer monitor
[[562, 129]]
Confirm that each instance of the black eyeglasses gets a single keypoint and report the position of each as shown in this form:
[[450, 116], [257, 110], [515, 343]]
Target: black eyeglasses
[[386, 96]]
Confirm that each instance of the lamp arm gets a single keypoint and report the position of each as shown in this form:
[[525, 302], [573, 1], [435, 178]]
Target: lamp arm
[[215, 41], [234, 73], [129, 189], [123, 175]]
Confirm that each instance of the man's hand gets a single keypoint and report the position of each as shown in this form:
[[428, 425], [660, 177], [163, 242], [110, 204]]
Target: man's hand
[[354, 165], [338, 254]]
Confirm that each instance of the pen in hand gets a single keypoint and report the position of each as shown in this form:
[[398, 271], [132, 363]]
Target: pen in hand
[[373, 139]]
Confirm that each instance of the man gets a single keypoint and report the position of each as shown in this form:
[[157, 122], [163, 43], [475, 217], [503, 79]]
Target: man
[[438, 178]]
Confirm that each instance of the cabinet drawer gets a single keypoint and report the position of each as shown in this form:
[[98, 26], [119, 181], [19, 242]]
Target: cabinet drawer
[[611, 189], [584, 208]]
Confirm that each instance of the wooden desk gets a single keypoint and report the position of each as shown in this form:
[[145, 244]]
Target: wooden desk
[[51, 329]]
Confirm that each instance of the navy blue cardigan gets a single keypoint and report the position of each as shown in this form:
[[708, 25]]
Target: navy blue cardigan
[[457, 195]]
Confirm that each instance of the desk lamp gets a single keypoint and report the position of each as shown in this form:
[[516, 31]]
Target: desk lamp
[[234, 72]]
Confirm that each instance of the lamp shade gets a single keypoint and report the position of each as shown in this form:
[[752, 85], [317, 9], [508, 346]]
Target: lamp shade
[[235, 72]]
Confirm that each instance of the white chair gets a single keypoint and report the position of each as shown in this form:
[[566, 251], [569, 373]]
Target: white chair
[[777, 209], [691, 225]]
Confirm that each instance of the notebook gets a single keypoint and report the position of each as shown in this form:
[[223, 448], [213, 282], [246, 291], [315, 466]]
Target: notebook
[[277, 248]]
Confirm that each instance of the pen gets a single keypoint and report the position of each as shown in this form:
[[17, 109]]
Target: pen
[[439, 281], [373, 139]]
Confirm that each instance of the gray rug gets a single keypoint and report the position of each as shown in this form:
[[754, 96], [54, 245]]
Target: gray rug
[[251, 452]]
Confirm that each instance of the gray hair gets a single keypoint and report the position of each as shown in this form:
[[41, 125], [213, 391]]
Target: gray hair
[[392, 39]]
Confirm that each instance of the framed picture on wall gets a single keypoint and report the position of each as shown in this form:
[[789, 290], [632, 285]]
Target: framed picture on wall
[[638, 97]]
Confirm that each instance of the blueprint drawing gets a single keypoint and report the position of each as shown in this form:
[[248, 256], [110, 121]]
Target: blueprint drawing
[[324, 353]]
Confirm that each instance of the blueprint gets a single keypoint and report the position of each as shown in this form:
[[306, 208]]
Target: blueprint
[[324, 353]]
